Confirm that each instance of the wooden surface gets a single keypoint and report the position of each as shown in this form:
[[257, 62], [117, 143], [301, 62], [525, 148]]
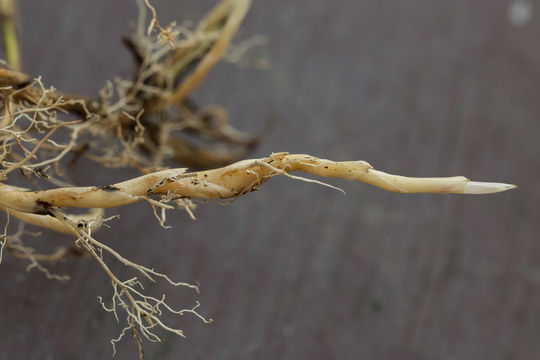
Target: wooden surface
[[298, 271]]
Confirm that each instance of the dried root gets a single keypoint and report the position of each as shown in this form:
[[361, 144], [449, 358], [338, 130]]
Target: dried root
[[229, 182], [145, 123], [142, 313]]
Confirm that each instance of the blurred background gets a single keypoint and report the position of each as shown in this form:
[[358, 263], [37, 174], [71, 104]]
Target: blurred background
[[295, 270]]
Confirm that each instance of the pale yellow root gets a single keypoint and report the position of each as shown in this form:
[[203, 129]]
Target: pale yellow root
[[93, 219], [238, 10], [230, 182]]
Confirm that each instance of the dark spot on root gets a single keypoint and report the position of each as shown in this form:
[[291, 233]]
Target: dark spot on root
[[22, 85], [43, 203], [326, 167], [205, 175], [43, 208], [40, 173], [109, 188]]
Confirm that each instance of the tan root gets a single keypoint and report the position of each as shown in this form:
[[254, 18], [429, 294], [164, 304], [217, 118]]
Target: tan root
[[142, 122], [227, 182], [146, 123]]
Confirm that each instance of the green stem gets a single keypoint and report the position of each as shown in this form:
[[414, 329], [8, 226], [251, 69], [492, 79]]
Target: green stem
[[9, 33]]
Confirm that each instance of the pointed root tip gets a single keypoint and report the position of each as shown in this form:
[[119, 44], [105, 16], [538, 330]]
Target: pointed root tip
[[478, 187]]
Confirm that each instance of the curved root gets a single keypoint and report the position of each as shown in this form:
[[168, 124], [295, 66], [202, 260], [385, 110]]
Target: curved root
[[230, 182]]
